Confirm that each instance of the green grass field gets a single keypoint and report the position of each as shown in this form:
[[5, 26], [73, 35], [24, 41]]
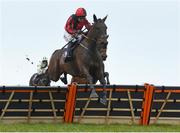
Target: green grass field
[[36, 127]]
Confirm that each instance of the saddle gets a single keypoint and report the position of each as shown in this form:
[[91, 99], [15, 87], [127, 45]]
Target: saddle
[[71, 49]]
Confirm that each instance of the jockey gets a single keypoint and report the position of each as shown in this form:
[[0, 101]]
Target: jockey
[[42, 67], [73, 27]]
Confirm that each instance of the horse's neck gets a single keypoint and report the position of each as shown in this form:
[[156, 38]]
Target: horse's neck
[[91, 43]]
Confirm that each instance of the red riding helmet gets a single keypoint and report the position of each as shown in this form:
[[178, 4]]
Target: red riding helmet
[[81, 12]]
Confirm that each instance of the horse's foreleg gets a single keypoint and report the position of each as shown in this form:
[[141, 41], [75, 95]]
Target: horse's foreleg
[[103, 100], [93, 91], [106, 75], [90, 81]]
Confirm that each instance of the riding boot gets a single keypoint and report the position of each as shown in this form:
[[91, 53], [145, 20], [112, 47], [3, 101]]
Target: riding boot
[[69, 52]]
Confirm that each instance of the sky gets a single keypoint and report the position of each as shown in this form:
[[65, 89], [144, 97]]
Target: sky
[[144, 38]]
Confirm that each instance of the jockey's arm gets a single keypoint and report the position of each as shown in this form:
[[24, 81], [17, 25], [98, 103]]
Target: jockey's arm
[[69, 26]]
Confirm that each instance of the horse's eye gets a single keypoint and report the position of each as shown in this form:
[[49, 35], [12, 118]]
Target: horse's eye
[[105, 43]]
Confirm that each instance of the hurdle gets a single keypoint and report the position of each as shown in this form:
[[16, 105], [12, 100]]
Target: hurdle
[[124, 105], [27, 103], [166, 105], [131, 104]]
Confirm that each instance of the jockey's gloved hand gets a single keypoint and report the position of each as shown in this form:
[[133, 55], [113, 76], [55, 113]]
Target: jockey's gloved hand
[[77, 33]]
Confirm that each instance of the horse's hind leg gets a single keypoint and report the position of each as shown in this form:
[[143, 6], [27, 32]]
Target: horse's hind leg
[[33, 80], [64, 79]]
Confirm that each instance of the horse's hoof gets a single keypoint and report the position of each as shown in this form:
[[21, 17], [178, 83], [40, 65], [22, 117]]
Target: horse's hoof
[[93, 94], [103, 101], [64, 80]]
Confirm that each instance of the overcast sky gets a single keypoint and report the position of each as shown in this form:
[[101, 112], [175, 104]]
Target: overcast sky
[[144, 38]]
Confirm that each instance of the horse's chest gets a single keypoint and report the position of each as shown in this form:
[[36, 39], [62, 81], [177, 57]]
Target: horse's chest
[[94, 64], [94, 61]]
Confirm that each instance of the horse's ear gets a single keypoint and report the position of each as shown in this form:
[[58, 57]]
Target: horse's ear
[[104, 19], [94, 18]]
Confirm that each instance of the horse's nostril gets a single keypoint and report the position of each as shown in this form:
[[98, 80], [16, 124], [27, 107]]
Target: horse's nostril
[[104, 57]]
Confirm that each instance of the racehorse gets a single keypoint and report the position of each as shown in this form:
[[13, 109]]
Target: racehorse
[[86, 59]]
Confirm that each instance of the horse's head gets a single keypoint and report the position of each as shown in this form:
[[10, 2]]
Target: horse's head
[[102, 46], [99, 27], [101, 30], [103, 53]]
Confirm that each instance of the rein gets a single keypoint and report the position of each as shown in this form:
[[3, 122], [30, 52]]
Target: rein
[[88, 37], [83, 46]]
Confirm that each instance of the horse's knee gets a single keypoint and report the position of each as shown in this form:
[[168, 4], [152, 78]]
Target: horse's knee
[[106, 74]]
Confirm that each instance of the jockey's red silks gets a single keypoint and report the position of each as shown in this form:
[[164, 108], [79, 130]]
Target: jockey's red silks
[[73, 25]]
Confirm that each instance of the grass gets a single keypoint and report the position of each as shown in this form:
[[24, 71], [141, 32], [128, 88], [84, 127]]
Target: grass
[[59, 127]]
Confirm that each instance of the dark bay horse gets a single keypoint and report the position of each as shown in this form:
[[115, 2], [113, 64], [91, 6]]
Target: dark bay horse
[[86, 59]]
